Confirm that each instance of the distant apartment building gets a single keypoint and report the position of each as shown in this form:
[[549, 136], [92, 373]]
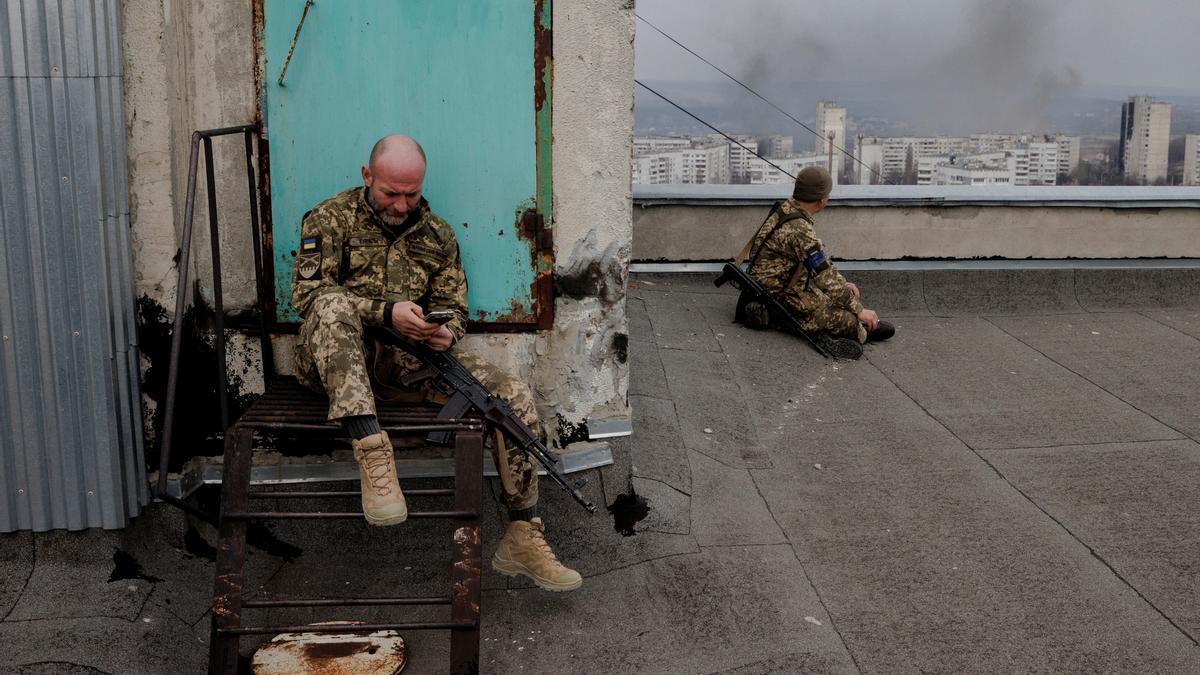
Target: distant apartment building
[[1145, 135], [831, 127], [1036, 160], [700, 161], [974, 172], [1191, 159], [1030, 164], [884, 158], [778, 145], [762, 173], [645, 144], [740, 156], [1068, 153], [1040, 162]]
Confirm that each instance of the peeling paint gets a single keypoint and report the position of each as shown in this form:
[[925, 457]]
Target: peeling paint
[[198, 429], [620, 346], [569, 432]]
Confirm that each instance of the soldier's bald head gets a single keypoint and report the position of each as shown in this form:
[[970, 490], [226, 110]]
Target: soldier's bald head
[[397, 153], [393, 177]]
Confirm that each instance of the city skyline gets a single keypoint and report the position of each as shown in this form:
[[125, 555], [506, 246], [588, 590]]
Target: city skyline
[[1140, 155]]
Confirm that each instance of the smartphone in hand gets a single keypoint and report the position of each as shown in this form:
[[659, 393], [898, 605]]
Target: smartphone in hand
[[439, 317]]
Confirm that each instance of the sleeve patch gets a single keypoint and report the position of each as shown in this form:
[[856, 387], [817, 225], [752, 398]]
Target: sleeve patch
[[815, 260], [308, 259]]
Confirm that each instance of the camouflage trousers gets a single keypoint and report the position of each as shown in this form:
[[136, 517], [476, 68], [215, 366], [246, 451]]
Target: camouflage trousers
[[332, 357], [836, 321]]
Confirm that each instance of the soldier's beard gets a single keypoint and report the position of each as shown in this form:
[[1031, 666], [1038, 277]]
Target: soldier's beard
[[381, 214]]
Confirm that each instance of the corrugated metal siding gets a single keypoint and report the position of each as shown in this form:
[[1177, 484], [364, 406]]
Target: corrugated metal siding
[[70, 411]]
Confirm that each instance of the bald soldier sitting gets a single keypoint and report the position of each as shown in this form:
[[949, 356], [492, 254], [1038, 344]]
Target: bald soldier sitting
[[787, 258], [375, 255]]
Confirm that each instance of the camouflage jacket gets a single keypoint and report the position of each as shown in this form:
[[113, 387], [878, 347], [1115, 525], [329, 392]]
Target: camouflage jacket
[[792, 246], [344, 248]]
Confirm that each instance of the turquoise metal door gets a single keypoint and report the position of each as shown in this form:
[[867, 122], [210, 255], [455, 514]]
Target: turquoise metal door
[[469, 80]]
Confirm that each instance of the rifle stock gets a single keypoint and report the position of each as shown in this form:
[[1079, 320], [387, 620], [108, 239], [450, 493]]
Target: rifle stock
[[780, 315]]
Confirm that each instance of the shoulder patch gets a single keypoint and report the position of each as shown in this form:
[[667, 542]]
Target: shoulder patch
[[308, 258], [815, 260]]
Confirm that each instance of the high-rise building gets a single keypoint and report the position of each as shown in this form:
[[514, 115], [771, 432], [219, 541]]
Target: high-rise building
[[831, 127], [778, 145], [1068, 153], [1145, 135], [1040, 162], [1191, 159], [740, 157]]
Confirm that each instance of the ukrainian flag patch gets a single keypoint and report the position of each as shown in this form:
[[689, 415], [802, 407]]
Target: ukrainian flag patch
[[308, 258]]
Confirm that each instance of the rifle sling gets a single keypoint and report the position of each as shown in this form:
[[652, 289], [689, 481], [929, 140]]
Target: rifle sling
[[753, 258]]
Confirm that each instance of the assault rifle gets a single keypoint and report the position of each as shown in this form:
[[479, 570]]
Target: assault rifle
[[449, 377], [781, 317]]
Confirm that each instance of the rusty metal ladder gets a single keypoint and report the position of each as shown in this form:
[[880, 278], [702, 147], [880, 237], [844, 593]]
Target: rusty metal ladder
[[277, 412], [288, 409]]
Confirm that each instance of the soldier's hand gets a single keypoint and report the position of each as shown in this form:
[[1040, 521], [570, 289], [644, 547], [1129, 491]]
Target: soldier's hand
[[409, 319], [441, 340], [853, 289], [869, 318]]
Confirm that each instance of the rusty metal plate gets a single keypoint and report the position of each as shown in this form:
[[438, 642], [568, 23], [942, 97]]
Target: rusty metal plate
[[379, 653]]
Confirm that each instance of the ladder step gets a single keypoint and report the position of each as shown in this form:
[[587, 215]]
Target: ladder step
[[343, 602], [350, 628], [300, 494], [300, 515]]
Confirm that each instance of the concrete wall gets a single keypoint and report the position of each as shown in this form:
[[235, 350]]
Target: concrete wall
[[191, 66], [680, 232]]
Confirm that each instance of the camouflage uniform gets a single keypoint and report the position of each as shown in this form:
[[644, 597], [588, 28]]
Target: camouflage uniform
[[348, 267], [820, 297]]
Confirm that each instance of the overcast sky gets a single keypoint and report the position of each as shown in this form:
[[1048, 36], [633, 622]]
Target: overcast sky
[[1028, 44]]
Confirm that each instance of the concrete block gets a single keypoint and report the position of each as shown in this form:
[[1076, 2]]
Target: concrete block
[[1119, 289], [1010, 291], [891, 293]]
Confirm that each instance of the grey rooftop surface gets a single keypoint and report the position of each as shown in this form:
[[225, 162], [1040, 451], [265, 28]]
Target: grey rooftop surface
[[1009, 485]]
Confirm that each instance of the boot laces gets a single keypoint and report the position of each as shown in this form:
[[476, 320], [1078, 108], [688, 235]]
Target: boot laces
[[537, 537], [376, 462]]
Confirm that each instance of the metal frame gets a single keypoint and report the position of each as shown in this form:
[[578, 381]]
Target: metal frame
[[249, 132], [465, 570]]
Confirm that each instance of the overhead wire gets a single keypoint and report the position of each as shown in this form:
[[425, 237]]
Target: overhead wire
[[755, 93], [731, 138]]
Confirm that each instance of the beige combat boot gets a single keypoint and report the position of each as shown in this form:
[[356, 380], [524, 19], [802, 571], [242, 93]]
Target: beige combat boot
[[382, 501], [524, 550]]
